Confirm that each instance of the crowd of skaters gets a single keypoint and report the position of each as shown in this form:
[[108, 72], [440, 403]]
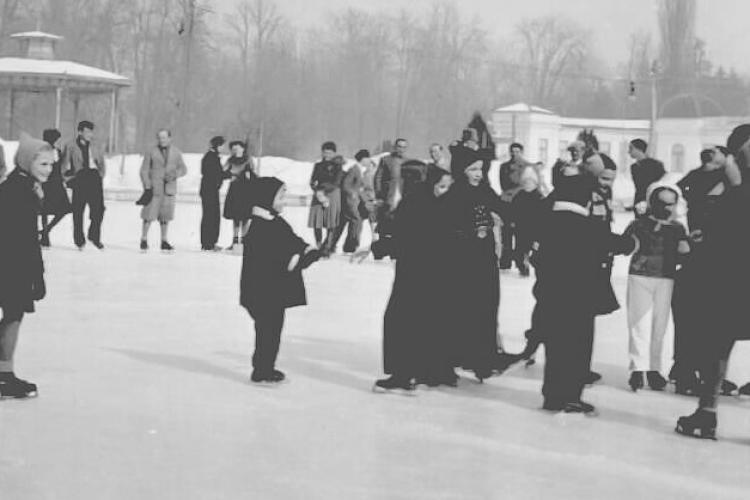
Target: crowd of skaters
[[443, 224]]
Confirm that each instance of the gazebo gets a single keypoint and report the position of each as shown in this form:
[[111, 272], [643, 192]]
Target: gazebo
[[38, 71]]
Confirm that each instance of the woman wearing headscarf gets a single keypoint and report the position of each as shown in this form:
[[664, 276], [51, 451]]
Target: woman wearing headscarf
[[238, 203], [56, 202], [416, 341], [21, 265], [726, 245]]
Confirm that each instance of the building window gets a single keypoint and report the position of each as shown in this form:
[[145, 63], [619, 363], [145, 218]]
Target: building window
[[678, 158], [563, 148], [543, 150]]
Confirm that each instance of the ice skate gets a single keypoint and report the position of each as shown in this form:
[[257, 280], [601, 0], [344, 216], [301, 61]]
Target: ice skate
[[580, 407], [593, 377], [505, 360], [656, 381], [393, 384], [144, 246], [636, 381], [701, 424], [16, 388], [166, 247], [270, 379], [745, 390], [728, 388]]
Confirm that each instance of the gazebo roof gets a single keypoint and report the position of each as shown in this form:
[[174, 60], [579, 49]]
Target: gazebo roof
[[40, 74]]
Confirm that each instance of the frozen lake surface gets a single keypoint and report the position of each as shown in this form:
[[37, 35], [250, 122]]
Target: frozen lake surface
[[143, 363]]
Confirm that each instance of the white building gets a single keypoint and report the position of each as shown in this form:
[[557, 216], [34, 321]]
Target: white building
[[545, 135]]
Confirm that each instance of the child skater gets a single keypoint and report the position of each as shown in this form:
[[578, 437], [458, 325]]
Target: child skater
[[271, 280], [528, 206], [661, 240], [567, 283], [237, 204], [21, 266], [416, 341]]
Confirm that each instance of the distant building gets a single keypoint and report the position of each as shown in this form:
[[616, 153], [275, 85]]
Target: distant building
[[546, 135]]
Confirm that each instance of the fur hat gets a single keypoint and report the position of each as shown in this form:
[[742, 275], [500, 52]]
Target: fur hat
[[28, 147], [574, 189]]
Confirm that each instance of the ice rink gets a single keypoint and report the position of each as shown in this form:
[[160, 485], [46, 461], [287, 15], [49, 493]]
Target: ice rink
[[143, 363]]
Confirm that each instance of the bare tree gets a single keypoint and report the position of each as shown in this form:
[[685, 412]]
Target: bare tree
[[552, 48]]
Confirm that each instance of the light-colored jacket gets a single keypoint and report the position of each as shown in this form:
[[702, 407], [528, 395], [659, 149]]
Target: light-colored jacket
[[73, 159], [162, 176]]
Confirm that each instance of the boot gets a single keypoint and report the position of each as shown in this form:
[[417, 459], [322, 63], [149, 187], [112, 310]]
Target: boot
[[728, 388], [44, 239], [701, 424], [636, 381], [592, 378], [745, 389], [394, 383], [579, 407], [655, 381]]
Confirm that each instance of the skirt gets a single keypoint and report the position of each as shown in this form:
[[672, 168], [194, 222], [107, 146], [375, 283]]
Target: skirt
[[326, 217], [56, 201], [238, 204], [161, 208]]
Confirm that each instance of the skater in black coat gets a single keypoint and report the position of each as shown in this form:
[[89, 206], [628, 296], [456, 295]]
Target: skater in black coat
[[416, 341], [56, 201], [212, 177], [567, 270], [726, 246], [474, 271], [271, 280], [21, 265]]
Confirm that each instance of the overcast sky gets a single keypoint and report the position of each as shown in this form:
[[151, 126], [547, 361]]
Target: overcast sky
[[721, 23]]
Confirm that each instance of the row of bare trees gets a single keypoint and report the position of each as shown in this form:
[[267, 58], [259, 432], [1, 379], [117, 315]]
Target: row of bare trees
[[240, 68]]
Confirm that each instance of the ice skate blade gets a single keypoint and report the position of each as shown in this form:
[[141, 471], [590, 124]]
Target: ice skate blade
[[398, 392], [269, 384], [709, 434], [31, 395]]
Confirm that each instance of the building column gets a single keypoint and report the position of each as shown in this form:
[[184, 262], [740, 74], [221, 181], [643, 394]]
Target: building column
[[112, 139], [76, 103], [11, 112], [58, 107]]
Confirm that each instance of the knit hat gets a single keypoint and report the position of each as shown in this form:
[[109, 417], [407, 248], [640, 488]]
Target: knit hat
[[28, 147], [738, 138], [264, 191]]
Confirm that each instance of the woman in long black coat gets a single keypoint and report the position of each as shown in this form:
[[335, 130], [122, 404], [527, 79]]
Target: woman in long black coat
[[21, 265], [56, 201], [416, 341], [474, 270], [727, 247]]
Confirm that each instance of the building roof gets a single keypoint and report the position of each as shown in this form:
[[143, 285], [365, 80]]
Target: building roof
[[522, 107], [21, 72], [599, 123], [36, 34]]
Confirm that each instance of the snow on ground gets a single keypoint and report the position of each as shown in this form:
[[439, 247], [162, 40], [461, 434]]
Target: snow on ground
[[143, 360]]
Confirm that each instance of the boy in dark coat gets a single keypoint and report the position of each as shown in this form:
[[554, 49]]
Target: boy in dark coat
[[567, 272], [21, 265], [213, 176], [271, 280]]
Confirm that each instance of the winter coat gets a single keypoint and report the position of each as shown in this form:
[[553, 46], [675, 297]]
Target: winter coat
[[388, 179], [212, 174], [266, 284], [326, 177], [352, 187], [161, 175], [417, 340], [645, 172], [21, 265], [73, 159]]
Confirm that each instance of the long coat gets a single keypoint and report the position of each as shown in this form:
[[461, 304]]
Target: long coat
[[474, 271], [351, 188], [416, 337], [266, 284], [21, 265], [161, 175]]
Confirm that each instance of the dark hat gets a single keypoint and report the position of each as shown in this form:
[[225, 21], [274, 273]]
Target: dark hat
[[264, 191], [461, 158], [739, 136], [574, 189]]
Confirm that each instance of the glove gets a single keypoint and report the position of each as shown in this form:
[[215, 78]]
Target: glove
[[146, 197], [309, 259], [38, 289]]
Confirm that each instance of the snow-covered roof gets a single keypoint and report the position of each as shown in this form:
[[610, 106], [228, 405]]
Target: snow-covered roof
[[36, 34], [64, 70], [522, 107]]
